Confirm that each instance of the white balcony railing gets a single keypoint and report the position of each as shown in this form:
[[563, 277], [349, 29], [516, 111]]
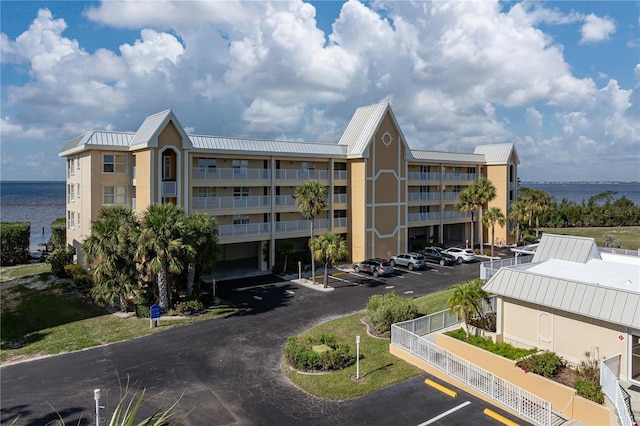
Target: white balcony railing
[[460, 176], [238, 174], [340, 222], [169, 189], [423, 196], [340, 198], [301, 225], [423, 217], [285, 201], [243, 230], [209, 203], [299, 174], [340, 175], [609, 373], [424, 176]]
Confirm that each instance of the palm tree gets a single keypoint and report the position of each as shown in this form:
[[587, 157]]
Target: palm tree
[[201, 235], [467, 205], [109, 253], [161, 246], [518, 214], [482, 191], [311, 199], [466, 301], [492, 216], [538, 202], [328, 247], [285, 248]]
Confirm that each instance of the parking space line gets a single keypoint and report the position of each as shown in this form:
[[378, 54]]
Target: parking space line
[[410, 272], [441, 388], [498, 417], [445, 414]]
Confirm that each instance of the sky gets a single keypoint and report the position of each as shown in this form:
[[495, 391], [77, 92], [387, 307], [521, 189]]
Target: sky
[[559, 79]]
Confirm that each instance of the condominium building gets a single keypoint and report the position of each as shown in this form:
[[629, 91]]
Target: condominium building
[[384, 197]]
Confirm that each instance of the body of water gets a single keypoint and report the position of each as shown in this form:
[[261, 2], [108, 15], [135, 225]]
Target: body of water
[[580, 191], [39, 203]]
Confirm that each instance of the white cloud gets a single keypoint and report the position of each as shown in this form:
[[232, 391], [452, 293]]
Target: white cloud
[[457, 74], [596, 29]]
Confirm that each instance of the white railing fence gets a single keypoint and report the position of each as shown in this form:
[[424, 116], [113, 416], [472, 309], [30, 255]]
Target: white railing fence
[[514, 397], [609, 372]]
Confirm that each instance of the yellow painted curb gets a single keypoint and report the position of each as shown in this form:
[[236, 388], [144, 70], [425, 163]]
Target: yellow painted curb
[[338, 273], [499, 418], [441, 388]]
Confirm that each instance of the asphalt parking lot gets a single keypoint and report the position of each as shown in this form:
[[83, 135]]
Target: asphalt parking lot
[[226, 371]]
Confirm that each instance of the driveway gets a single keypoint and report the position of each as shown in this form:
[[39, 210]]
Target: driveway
[[227, 370]]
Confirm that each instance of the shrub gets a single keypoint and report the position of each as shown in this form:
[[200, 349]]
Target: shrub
[[503, 349], [188, 307], [59, 258], [58, 237], [591, 391], [14, 243], [81, 279], [384, 310], [545, 364], [300, 355]]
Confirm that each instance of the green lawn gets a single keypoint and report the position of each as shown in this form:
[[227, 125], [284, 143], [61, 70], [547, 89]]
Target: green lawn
[[378, 368], [41, 316], [629, 236]]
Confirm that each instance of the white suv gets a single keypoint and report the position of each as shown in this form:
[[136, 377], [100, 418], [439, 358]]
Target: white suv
[[462, 255], [410, 260]]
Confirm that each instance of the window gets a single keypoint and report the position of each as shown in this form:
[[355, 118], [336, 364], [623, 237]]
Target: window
[[205, 192], [206, 165], [78, 219], [114, 195], [240, 220], [307, 166], [71, 193], [240, 165], [471, 170], [114, 163], [70, 219], [240, 191], [70, 167], [78, 191], [457, 188]]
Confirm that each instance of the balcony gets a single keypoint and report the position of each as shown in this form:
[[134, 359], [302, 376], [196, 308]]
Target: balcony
[[219, 174], [340, 222], [340, 198], [285, 201], [423, 217], [450, 196], [244, 230], [424, 176], [340, 175], [302, 225], [169, 188], [460, 177], [423, 196], [211, 203], [301, 175]]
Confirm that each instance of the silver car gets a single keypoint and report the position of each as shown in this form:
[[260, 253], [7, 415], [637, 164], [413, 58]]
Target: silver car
[[375, 267], [409, 260]]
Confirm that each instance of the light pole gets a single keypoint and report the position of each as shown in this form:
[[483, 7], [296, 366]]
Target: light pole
[[357, 357], [96, 396]]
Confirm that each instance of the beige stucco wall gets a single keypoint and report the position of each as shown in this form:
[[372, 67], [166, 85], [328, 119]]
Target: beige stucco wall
[[498, 175], [356, 214], [145, 186]]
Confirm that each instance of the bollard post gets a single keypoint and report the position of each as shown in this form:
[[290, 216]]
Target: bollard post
[[357, 357]]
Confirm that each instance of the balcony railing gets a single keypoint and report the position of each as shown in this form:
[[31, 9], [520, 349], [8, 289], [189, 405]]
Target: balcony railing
[[301, 225], [243, 230], [169, 189], [340, 198], [423, 217], [209, 203], [295, 174], [460, 176], [340, 222], [449, 196], [424, 176], [241, 174], [423, 196], [455, 215], [285, 201], [340, 175]]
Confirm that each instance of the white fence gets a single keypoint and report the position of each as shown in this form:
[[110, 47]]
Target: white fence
[[609, 371], [407, 335]]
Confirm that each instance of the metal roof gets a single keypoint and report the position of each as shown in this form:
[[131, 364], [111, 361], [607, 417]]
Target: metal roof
[[239, 145], [147, 134], [607, 291], [360, 130], [497, 153], [98, 138], [448, 157], [566, 247]]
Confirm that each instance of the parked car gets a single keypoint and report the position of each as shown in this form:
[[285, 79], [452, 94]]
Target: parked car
[[438, 255], [462, 255], [409, 260], [374, 266]]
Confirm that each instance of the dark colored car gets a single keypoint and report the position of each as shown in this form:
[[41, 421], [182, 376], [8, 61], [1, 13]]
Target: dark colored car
[[438, 255], [374, 266]]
